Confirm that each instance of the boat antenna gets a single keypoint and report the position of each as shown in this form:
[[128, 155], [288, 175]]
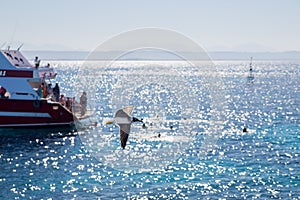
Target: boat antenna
[[251, 63], [250, 76], [13, 34], [20, 47]]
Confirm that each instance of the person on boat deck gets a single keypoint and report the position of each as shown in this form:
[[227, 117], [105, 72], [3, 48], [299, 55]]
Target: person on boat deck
[[83, 103], [44, 89], [72, 103], [68, 103], [2, 92], [49, 90], [56, 92], [37, 62], [40, 91], [62, 99]]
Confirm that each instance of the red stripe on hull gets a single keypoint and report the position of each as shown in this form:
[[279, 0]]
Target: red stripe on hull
[[16, 73], [50, 113]]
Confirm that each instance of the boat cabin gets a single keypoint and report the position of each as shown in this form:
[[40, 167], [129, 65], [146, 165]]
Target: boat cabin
[[19, 78]]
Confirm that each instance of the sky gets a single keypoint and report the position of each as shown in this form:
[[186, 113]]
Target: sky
[[216, 25]]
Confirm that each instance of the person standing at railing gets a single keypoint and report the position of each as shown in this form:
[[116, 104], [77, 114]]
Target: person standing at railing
[[83, 103], [2, 92], [56, 92], [44, 89], [62, 99], [40, 91], [37, 62], [68, 104]]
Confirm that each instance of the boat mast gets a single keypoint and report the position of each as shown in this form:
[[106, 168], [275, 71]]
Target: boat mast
[[250, 71]]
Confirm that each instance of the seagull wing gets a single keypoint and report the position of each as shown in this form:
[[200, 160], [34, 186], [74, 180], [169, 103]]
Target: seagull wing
[[124, 112], [123, 120], [123, 137], [128, 109], [122, 117]]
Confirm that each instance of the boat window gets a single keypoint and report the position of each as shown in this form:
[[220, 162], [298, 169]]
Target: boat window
[[9, 55], [25, 94]]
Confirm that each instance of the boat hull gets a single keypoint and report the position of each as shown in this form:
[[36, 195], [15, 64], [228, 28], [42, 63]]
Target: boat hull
[[34, 113]]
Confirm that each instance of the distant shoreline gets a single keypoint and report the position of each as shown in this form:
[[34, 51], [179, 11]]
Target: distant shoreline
[[149, 55]]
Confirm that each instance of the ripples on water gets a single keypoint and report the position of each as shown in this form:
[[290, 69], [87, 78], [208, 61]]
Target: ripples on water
[[263, 163]]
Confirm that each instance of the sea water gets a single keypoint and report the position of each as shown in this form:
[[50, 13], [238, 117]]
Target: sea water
[[262, 163]]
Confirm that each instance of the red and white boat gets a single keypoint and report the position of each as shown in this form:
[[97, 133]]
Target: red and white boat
[[21, 105]]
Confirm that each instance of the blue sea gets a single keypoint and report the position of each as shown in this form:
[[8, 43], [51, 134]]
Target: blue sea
[[201, 153]]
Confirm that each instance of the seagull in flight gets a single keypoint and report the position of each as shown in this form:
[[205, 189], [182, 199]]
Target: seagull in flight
[[124, 120]]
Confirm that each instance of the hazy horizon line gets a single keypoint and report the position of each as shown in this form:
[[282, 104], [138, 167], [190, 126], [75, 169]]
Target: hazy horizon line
[[156, 55]]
